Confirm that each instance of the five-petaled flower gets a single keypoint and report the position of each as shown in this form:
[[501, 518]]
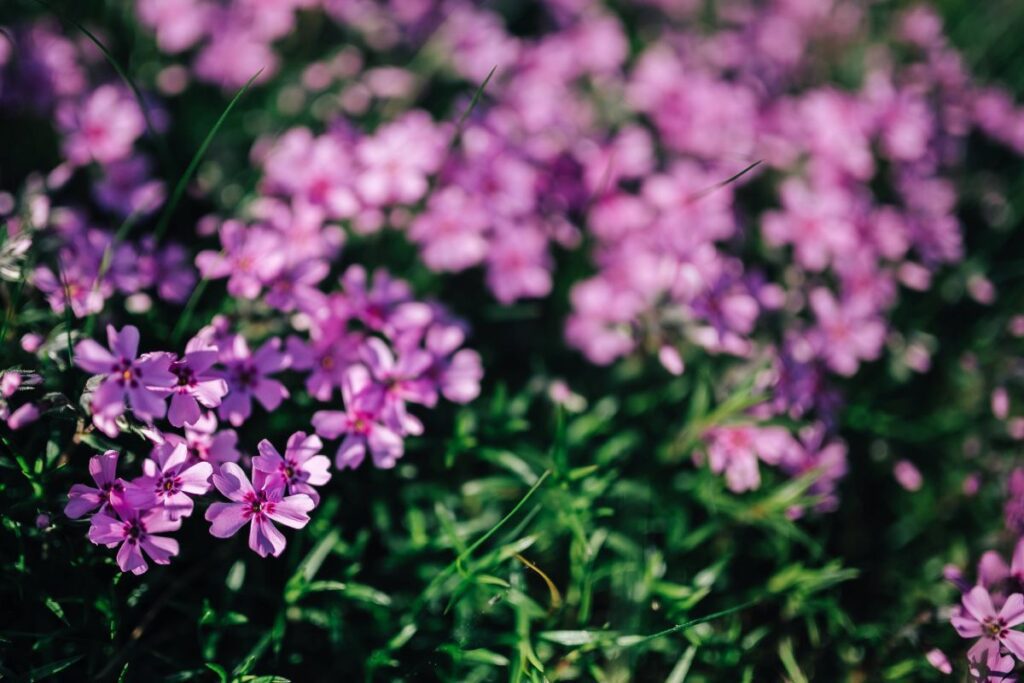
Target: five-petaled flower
[[127, 377], [83, 499], [260, 506], [978, 618], [168, 480], [135, 531], [302, 466]]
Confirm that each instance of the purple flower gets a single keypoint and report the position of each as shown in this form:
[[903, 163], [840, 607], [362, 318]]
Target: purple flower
[[325, 357], [135, 531], [386, 304], [101, 128], [196, 384], [83, 499], [845, 335], [457, 372], [167, 481], [399, 380], [261, 506], [139, 380], [252, 257], [361, 423], [735, 451], [247, 377], [302, 466], [978, 619]]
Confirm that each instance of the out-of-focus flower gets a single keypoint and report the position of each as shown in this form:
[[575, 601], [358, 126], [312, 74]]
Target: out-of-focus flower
[[248, 376], [361, 423]]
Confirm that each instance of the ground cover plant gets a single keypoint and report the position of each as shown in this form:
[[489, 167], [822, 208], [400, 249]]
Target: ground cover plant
[[642, 340]]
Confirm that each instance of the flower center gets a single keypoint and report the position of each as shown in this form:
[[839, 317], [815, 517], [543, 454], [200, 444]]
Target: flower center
[[992, 627]]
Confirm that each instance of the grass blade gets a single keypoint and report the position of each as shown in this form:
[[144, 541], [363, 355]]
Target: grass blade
[[179, 189]]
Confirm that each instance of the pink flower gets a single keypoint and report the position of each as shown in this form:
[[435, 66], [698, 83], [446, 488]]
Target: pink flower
[[399, 380], [252, 258], [179, 24], [135, 531], [978, 619], [451, 231], [397, 160], [939, 660], [196, 385], [457, 371], [260, 507], [167, 482], [302, 466], [247, 377], [735, 451], [103, 127], [203, 441], [83, 499], [845, 336], [141, 380], [361, 423], [23, 415]]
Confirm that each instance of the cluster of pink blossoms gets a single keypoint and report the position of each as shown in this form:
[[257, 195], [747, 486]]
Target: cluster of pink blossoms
[[371, 343], [100, 124], [135, 515]]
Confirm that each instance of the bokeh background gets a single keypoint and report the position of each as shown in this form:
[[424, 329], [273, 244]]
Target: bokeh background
[[590, 545]]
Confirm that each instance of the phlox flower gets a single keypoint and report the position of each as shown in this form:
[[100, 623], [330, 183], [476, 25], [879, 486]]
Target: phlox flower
[[259, 506], [384, 304], [302, 466], [978, 618], [456, 372], [399, 379], [206, 443], [103, 127], [167, 481], [844, 335], [252, 257], [397, 159], [247, 375], [83, 499], [135, 531], [361, 424], [127, 378], [196, 384], [326, 357], [735, 450]]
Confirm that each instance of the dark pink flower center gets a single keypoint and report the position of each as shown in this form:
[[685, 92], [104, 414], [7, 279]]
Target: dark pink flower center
[[994, 627], [186, 377], [257, 505], [126, 374], [246, 376], [134, 531]]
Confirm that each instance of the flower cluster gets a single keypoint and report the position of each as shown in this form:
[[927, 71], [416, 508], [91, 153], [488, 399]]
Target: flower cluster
[[989, 611], [135, 515], [371, 341]]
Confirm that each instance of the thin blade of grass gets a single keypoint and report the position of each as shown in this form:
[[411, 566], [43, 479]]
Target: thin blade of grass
[[179, 188], [120, 72], [717, 186]]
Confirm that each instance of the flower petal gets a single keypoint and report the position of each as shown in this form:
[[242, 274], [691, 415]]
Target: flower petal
[[291, 511], [232, 482], [226, 519]]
